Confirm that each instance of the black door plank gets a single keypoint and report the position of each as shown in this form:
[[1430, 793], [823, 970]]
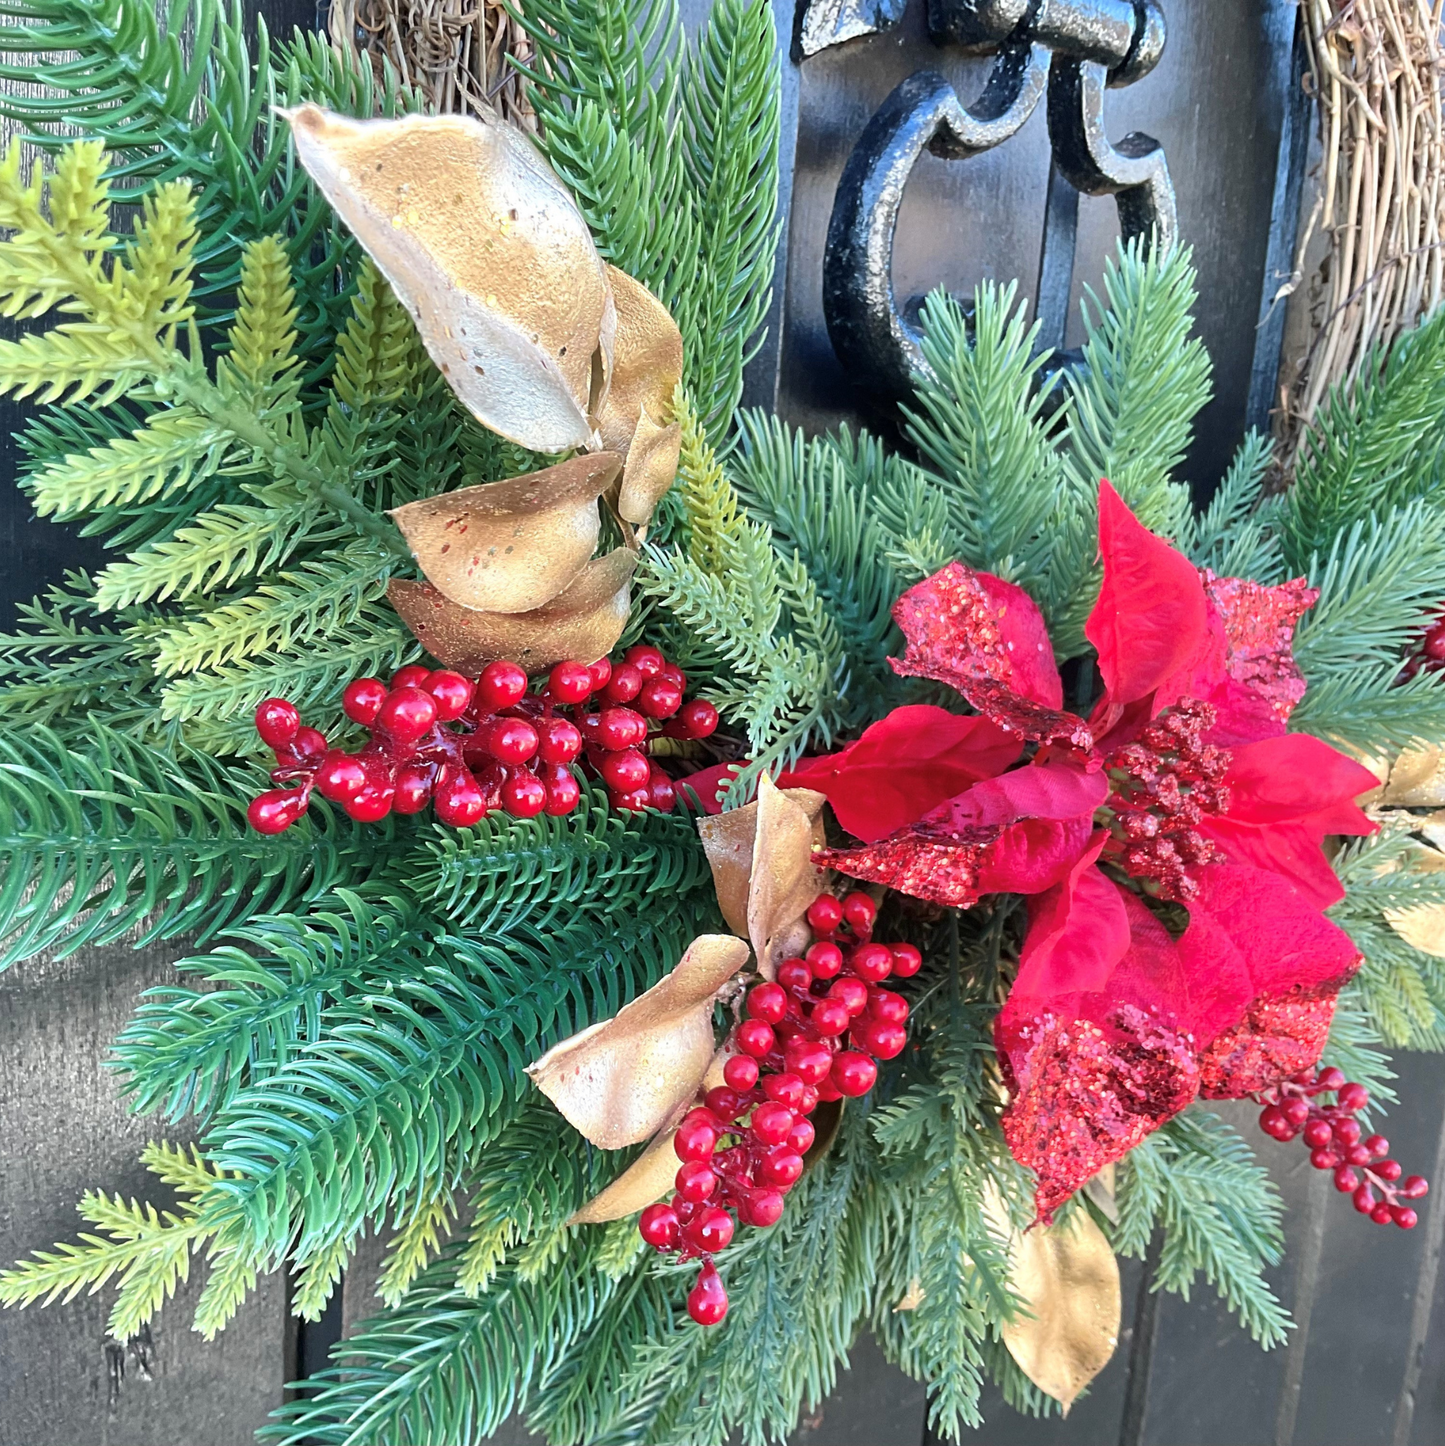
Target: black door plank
[[67, 1131]]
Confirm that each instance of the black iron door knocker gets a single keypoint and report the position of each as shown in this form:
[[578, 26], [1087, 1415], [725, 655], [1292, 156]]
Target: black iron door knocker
[[1073, 50]]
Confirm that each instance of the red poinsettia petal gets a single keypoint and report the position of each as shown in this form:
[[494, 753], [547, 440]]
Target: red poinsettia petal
[[710, 784], [1259, 624], [1054, 789], [1151, 625], [942, 871], [1253, 936], [1286, 795], [903, 766], [1281, 1035], [1033, 855], [987, 639]]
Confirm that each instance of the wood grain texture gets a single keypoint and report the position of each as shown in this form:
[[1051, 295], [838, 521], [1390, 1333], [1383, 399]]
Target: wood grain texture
[[66, 1131]]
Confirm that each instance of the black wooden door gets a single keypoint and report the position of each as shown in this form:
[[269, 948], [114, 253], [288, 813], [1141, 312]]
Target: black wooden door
[[1366, 1363]]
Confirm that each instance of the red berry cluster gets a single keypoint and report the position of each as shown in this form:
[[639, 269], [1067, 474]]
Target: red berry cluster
[[1333, 1135], [790, 1056], [508, 748]]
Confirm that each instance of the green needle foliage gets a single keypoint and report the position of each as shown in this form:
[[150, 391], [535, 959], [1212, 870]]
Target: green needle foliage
[[241, 399]]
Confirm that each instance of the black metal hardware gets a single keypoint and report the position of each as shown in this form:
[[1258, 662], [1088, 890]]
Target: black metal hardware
[[1071, 49]]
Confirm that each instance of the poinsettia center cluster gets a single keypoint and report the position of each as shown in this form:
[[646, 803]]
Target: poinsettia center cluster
[[1164, 785]]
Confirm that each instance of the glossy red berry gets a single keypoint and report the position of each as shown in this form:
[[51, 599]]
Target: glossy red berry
[[782, 1167], [765, 1208], [502, 685], [523, 794], [1377, 1145], [794, 974], [756, 1038], [411, 676], [1434, 644], [771, 1123], [825, 914], [1389, 1170], [851, 993], [1345, 1179], [646, 659], [276, 810], [873, 962], [363, 699], [457, 798], [1347, 1132], [1317, 1134], [1353, 1097], [830, 1017], [853, 1074], [659, 698], [801, 1136], [624, 684], [664, 792], [787, 1089], [825, 959], [340, 777], [277, 722], [372, 804], [570, 682], [413, 787], [1363, 1199], [888, 1007], [512, 740], [633, 801], [659, 1227], [741, 1072], [620, 728], [407, 714], [310, 745], [727, 1104], [707, 1301], [563, 790], [453, 693], [861, 913], [767, 1002], [626, 770], [558, 741], [695, 1181], [1414, 1187], [601, 671], [698, 718], [809, 1059], [907, 961], [1296, 1111], [1404, 1217], [695, 1139]]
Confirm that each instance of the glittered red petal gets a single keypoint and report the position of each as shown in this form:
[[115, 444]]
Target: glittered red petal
[[1259, 624], [987, 639], [938, 870], [1281, 1035]]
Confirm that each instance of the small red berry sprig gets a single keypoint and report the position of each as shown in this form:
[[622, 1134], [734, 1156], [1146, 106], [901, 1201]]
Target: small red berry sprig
[[742, 1149], [1429, 655], [1360, 1166], [506, 748]]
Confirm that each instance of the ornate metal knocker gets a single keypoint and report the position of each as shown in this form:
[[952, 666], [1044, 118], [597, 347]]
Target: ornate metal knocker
[[1074, 50]]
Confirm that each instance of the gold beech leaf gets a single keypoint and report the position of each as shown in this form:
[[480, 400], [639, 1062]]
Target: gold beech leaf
[[1423, 927], [1417, 779], [763, 870], [646, 362], [511, 547], [651, 468], [653, 1173], [582, 623], [487, 250], [1068, 1280], [619, 1081]]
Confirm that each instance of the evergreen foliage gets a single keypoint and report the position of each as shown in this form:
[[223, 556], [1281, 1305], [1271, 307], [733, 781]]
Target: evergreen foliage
[[245, 399]]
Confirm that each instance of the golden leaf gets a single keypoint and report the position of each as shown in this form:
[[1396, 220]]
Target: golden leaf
[[913, 1297], [1100, 1192], [511, 547], [1068, 1280], [766, 903], [652, 1174], [647, 363], [617, 1082], [651, 467], [1417, 779], [1424, 927], [582, 623], [487, 250]]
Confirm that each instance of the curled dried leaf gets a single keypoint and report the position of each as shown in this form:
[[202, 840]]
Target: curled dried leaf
[[511, 547], [651, 467], [487, 250], [652, 1174], [619, 1081], [583, 622], [1068, 1280], [647, 362], [763, 870], [1417, 779]]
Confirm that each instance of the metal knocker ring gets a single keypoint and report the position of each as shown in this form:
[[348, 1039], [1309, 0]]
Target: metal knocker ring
[[879, 345]]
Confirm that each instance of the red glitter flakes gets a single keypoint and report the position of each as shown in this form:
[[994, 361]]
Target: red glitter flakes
[[1085, 1094], [941, 870], [1259, 623], [1281, 1035], [986, 638]]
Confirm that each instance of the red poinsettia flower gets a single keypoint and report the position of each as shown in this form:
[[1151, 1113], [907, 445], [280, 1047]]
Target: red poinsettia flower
[[1182, 786]]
